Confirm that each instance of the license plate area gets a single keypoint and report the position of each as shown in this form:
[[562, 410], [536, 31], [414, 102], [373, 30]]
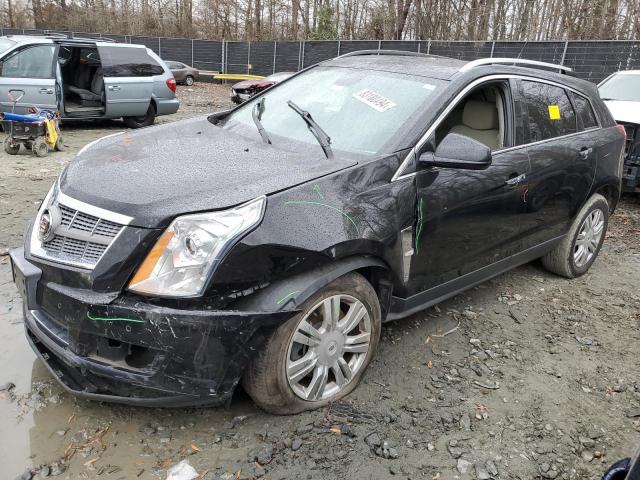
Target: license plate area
[[19, 279], [25, 276]]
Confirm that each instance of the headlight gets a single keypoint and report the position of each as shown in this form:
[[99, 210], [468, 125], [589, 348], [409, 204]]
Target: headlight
[[184, 256]]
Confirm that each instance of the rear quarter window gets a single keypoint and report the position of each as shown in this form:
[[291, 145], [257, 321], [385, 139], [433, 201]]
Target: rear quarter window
[[584, 110], [550, 113], [128, 62]]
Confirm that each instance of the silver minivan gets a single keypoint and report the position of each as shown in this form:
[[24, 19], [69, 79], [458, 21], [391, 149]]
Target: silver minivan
[[86, 78]]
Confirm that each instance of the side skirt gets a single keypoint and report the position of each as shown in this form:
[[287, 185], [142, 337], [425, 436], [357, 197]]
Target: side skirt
[[403, 307]]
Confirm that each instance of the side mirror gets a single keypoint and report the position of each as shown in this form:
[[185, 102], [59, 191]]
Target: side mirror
[[458, 151]]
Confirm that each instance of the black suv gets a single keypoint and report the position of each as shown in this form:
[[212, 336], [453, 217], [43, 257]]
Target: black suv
[[267, 244]]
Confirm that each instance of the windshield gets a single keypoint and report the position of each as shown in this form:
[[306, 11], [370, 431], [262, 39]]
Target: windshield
[[6, 44], [361, 110], [621, 87]]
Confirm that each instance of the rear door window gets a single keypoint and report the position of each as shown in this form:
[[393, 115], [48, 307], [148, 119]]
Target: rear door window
[[30, 62], [128, 62], [550, 113], [584, 110]]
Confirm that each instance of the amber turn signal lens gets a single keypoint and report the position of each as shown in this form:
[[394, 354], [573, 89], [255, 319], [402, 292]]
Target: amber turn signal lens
[[145, 270]]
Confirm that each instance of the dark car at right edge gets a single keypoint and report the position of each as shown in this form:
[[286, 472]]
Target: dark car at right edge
[[266, 245]]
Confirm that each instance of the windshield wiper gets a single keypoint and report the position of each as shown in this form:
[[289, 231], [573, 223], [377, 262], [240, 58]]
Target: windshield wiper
[[256, 114], [323, 139]]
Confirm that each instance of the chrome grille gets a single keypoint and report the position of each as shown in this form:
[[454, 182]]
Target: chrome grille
[[76, 220], [71, 249], [80, 238]]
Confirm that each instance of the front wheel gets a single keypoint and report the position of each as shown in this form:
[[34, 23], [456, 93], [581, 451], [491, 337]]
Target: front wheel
[[40, 147], [188, 81], [319, 355], [143, 120], [575, 254]]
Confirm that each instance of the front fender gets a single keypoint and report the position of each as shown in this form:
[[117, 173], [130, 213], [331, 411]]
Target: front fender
[[290, 293]]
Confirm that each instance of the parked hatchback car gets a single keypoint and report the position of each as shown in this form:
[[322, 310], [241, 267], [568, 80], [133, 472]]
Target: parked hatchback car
[[183, 73], [359, 191], [621, 94], [86, 78], [244, 90]]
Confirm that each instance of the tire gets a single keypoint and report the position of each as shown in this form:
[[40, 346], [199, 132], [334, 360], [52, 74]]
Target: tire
[[188, 80], [266, 380], [59, 143], [562, 260], [142, 121], [11, 146], [40, 147]]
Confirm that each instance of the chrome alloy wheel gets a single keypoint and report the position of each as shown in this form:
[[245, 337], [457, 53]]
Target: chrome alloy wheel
[[328, 348], [588, 238]]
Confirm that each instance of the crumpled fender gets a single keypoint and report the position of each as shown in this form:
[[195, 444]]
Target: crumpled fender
[[289, 294]]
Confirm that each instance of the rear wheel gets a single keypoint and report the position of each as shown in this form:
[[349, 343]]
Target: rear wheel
[[578, 250], [11, 146], [188, 81], [59, 143], [143, 120], [320, 354], [40, 147]]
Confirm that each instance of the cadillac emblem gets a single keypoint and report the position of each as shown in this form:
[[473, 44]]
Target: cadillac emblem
[[49, 221]]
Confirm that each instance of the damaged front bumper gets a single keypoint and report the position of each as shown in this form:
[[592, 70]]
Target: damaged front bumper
[[631, 166], [119, 349]]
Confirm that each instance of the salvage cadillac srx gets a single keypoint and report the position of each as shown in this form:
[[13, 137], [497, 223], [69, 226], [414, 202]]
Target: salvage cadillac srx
[[267, 244]]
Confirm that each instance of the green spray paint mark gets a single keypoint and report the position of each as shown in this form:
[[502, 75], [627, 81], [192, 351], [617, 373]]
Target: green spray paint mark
[[316, 189], [419, 226], [287, 296], [341, 212], [113, 319]]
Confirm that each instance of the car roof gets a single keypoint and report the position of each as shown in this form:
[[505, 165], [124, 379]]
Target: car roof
[[432, 66], [628, 72], [446, 68], [28, 39]]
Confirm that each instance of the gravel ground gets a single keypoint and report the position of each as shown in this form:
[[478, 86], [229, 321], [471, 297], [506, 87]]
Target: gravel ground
[[528, 376]]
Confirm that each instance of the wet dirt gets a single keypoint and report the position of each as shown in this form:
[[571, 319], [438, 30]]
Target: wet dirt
[[527, 376]]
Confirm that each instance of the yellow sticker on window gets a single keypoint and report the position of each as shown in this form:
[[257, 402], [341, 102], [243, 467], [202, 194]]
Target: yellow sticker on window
[[554, 112]]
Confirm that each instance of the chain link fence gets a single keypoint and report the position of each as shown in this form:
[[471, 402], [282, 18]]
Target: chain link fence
[[591, 60]]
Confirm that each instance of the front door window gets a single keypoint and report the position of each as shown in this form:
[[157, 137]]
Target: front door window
[[30, 62]]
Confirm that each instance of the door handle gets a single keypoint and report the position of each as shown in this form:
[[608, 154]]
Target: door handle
[[585, 152], [114, 88], [46, 91], [515, 180]]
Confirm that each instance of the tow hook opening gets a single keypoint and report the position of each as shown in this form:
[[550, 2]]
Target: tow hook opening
[[123, 354]]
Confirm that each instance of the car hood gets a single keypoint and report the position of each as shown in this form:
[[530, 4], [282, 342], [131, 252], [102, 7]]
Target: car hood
[[624, 111], [155, 174], [251, 83]]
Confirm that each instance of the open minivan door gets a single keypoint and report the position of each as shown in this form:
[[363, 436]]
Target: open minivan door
[[30, 69], [128, 79]]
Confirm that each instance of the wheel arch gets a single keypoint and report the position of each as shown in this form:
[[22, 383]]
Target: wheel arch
[[611, 192], [289, 294]]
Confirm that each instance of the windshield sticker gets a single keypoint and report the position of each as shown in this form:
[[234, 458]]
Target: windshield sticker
[[374, 100], [554, 112], [428, 86]]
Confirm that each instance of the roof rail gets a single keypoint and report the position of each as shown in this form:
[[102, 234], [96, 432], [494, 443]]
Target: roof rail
[[64, 36], [94, 39], [515, 61], [386, 52]]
